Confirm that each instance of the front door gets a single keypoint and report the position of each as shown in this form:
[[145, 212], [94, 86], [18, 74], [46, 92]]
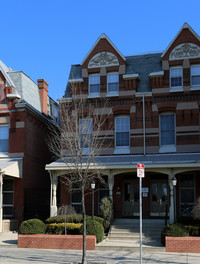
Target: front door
[[158, 198], [130, 198]]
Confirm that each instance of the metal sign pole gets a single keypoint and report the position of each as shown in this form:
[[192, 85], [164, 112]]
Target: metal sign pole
[[140, 174], [140, 220]]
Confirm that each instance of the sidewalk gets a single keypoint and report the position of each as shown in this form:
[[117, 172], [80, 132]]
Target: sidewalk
[[8, 239]]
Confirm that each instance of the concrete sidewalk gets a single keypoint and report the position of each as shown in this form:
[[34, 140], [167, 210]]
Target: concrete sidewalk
[[9, 253]]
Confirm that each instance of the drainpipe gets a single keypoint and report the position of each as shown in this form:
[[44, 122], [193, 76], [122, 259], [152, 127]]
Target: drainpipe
[[144, 134]]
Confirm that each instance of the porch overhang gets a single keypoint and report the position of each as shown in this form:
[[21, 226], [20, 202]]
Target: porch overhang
[[11, 167], [129, 162]]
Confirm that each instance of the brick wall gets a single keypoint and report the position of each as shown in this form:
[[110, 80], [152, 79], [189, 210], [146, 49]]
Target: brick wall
[[182, 244], [74, 242]]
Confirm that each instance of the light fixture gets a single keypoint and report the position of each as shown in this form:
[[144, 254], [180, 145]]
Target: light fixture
[[93, 185], [174, 181]]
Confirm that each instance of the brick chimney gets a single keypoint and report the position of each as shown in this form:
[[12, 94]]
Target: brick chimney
[[43, 87]]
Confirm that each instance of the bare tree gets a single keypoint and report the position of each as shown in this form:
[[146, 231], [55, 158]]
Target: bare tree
[[79, 141]]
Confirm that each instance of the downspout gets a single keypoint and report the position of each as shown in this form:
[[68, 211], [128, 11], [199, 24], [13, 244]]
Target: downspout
[[144, 133]]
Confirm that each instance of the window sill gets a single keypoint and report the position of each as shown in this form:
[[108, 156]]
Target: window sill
[[3, 154], [112, 94], [176, 89], [93, 95], [167, 149], [194, 88], [125, 150]]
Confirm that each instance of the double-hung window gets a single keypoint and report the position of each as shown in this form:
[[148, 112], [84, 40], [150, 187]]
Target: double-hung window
[[195, 75], [176, 77], [94, 85], [113, 83], [167, 132], [86, 132], [122, 133], [4, 136]]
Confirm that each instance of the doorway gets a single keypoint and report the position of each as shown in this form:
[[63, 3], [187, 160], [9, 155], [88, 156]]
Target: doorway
[[130, 198], [158, 198]]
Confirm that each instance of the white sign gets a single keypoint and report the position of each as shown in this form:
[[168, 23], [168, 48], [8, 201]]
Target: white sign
[[145, 194], [145, 190], [140, 170]]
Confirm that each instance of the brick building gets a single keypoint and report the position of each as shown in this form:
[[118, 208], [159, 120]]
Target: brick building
[[26, 110], [154, 104]]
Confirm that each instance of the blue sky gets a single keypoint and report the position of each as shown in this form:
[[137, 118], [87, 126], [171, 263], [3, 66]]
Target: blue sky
[[43, 38]]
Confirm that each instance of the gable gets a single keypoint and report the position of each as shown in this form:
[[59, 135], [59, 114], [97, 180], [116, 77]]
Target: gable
[[103, 54], [186, 44]]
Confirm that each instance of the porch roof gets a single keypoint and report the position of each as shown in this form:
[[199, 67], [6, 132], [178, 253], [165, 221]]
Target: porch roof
[[11, 167], [191, 160]]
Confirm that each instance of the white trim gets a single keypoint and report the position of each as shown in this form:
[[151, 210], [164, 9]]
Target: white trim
[[185, 25], [153, 74], [75, 80], [103, 36], [131, 76]]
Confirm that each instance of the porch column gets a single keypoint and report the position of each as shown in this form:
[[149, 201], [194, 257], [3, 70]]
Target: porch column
[[53, 198], [1, 202], [171, 208], [110, 185]]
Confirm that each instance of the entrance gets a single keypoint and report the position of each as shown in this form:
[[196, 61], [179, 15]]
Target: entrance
[[158, 198], [130, 198]]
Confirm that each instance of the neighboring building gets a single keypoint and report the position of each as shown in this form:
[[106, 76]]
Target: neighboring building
[[26, 111], [154, 102]]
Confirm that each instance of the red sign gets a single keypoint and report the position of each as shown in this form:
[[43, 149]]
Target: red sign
[[140, 170]]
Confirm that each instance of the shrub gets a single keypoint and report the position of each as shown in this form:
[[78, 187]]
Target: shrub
[[106, 212], [175, 230], [94, 228], [192, 230], [61, 219], [66, 210], [32, 226], [72, 229]]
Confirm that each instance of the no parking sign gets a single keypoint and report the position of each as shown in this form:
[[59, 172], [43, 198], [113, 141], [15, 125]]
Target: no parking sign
[[140, 170]]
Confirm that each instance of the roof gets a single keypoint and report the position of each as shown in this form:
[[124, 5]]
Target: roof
[[131, 161], [11, 167], [143, 65]]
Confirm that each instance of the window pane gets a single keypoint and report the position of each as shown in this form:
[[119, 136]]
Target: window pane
[[7, 212], [94, 82], [154, 192], [127, 192], [122, 128], [113, 82], [4, 135], [187, 181], [136, 192], [76, 197], [176, 77], [7, 185], [8, 198], [86, 132], [164, 192], [187, 196], [167, 129], [195, 75]]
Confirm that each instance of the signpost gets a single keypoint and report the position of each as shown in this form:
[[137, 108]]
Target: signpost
[[140, 174]]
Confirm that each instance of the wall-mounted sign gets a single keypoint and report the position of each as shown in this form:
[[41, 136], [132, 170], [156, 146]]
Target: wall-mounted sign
[[145, 190], [145, 194]]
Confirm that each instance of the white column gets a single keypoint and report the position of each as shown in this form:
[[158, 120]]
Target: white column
[[1, 202], [171, 207], [53, 198], [110, 185]]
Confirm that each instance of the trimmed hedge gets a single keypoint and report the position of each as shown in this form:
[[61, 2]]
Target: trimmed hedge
[[94, 228], [192, 230], [175, 230], [32, 227], [59, 228], [72, 219]]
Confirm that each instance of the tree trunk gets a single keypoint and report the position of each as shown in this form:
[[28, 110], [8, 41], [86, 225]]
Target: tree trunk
[[84, 260]]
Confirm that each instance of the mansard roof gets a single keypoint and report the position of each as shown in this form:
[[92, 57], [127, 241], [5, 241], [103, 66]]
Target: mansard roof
[[143, 65]]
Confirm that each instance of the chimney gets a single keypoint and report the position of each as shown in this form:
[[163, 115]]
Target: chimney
[[43, 87]]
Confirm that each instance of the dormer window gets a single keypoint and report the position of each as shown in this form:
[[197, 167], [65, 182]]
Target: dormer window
[[94, 85], [113, 83], [195, 75], [176, 77]]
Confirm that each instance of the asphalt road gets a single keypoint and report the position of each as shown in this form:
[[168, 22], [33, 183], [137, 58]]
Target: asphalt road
[[10, 255]]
